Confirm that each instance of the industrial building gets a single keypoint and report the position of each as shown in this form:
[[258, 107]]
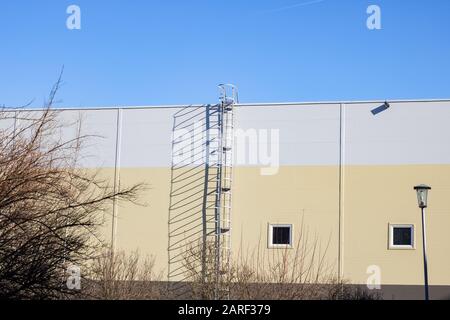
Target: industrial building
[[343, 170]]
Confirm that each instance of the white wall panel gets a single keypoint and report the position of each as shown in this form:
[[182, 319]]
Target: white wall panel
[[308, 135], [406, 133], [101, 125], [147, 137]]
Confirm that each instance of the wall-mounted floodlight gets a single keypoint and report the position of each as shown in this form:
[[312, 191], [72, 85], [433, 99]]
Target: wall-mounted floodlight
[[381, 108]]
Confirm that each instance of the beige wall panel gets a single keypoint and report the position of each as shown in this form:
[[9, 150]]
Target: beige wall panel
[[145, 227], [295, 193], [375, 196], [105, 231]]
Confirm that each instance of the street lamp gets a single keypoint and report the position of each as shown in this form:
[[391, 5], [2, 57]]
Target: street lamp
[[422, 197]]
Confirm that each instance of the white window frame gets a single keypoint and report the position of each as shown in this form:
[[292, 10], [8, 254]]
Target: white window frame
[[402, 225], [270, 243]]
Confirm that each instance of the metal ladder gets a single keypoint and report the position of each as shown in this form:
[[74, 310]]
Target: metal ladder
[[223, 201], [200, 198]]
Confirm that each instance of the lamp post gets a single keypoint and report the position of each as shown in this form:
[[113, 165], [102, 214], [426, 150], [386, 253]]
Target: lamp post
[[422, 195]]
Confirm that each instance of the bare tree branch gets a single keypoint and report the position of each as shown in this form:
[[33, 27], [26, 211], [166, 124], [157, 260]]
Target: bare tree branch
[[50, 208]]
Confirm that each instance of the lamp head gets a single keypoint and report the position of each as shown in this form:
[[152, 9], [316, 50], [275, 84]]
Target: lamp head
[[422, 195]]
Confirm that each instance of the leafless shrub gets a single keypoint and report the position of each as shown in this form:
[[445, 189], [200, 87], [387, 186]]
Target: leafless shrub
[[290, 273], [122, 276], [49, 209], [297, 273], [343, 290], [200, 273]]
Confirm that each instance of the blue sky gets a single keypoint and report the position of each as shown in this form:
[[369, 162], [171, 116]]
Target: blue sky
[[152, 52]]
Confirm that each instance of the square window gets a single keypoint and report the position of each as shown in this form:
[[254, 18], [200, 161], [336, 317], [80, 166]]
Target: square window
[[401, 236], [280, 235]]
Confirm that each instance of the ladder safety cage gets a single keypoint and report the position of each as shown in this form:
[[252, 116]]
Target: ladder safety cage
[[201, 219]]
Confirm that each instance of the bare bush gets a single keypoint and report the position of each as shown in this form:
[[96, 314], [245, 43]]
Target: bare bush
[[50, 210], [122, 276], [297, 272], [202, 277], [343, 290], [300, 272]]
